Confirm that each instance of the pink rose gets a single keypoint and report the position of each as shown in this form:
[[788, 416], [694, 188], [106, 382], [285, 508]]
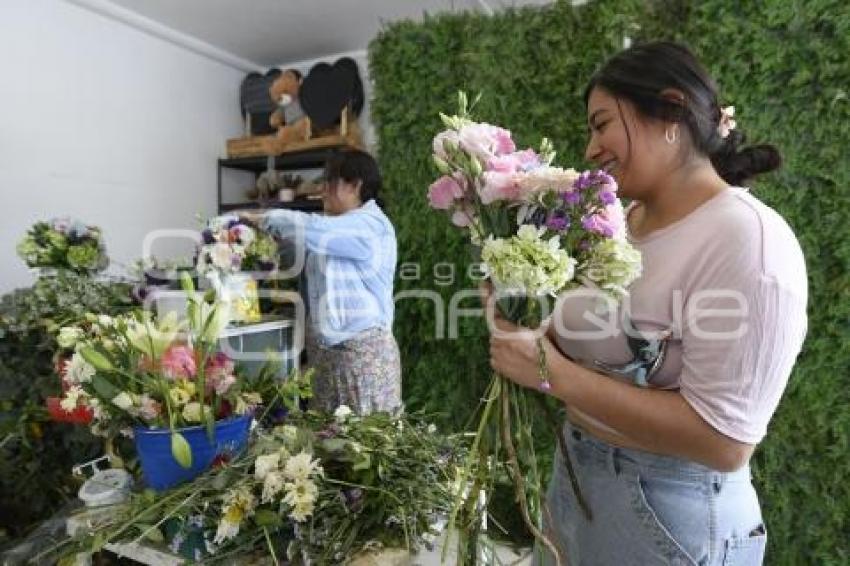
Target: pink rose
[[485, 141], [504, 163], [504, 143], [179, 362], [219, 373], [498, 186], [221, 383], [609, 223], [443, 192], [219, 363], [528, 159]]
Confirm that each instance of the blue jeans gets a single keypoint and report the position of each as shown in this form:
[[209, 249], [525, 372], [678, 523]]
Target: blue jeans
[[650, 509]]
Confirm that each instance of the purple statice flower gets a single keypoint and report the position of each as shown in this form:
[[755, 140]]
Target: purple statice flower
[[207, 236], [606, 196], [597, 177], [584, 181], [558, 221], [232, 222], [571, 198], [605, 181]]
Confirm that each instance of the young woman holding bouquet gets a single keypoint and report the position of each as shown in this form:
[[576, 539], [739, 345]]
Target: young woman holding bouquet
[[350, 265], [718, 317]]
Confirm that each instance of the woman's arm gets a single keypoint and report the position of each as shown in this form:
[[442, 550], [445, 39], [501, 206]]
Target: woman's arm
[[349, 235], [658, 421]]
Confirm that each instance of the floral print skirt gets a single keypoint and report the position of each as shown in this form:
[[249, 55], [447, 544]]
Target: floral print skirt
[[363, 373]]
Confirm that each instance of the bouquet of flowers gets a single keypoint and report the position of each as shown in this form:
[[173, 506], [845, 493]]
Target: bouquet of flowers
[[319, 489], [133, 371], [541, 230], [63, 243], [230, 246]]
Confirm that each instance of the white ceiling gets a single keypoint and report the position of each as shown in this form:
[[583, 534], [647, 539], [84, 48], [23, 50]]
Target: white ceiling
[[271, 32]]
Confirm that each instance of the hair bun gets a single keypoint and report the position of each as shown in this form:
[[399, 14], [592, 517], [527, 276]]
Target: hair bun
[[736, 166]]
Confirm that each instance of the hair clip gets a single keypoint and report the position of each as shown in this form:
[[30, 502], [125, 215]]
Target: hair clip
[[727, 123]]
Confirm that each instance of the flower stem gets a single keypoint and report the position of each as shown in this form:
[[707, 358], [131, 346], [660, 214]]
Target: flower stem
[[516, 475]]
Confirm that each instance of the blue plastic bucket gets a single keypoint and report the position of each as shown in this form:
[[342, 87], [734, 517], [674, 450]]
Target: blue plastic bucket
[[159, 468]]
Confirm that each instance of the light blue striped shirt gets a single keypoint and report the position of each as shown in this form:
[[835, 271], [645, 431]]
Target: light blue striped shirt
[[350, 266]]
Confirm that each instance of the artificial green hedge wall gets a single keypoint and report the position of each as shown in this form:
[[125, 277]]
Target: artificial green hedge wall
[[784, 66]]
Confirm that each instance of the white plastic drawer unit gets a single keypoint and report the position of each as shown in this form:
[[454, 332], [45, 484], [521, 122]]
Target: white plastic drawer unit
[[252, 345]]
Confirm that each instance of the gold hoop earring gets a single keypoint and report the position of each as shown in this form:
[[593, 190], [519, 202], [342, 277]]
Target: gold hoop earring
[[672, 138]]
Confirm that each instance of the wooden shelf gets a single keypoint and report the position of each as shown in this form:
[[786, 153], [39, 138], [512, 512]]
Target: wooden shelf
[[307, 155], [304, 205]]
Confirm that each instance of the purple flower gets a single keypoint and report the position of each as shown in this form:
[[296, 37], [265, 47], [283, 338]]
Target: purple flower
[[597, 177], [353, 494], [583, 182], [207, 235], [598, 224], [558, 222], [571, 198], [279, 415], [354, 499], [606, 196]]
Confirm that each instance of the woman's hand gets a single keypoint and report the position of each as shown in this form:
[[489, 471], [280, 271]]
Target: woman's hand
[[514, 350], [250, 217]]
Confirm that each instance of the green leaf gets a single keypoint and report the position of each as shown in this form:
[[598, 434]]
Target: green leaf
[[104, 387], [97, 359], [363, 462], [181, 450], [186, 283], [267, 518], [151, 533], [334, 445]]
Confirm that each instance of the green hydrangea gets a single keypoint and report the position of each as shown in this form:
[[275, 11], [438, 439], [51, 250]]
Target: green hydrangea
[[56, 240], [28, 250], [83, 257], [612, 266], [263, 248], [526, 263]]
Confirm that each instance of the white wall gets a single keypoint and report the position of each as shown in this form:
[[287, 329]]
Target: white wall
[[107, 124]]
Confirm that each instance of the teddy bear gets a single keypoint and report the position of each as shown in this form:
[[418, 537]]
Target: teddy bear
[[289, 119]]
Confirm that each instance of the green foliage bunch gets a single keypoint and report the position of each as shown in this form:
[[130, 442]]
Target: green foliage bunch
[[36, 454]]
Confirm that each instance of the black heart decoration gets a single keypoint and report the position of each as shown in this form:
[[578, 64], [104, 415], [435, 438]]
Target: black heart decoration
[[327, 89], [357, 94], [254, 99]]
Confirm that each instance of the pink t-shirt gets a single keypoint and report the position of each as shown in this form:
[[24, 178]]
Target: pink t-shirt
[[729, 280]]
